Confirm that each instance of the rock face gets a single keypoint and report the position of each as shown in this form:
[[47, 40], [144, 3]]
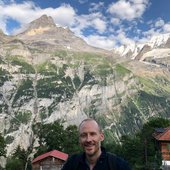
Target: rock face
[[47, 73], [144, 50], [43, 21]]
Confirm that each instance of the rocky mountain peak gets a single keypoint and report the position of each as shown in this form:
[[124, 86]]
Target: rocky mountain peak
[[43, 21], [39, 26], [44, 33]]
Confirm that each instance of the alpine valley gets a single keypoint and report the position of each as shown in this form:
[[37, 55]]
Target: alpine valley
[[47, 73]]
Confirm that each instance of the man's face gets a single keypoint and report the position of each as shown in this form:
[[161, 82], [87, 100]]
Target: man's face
[[90, 137]]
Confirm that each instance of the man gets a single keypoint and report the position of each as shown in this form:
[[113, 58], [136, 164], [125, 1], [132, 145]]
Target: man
[[94, 157]]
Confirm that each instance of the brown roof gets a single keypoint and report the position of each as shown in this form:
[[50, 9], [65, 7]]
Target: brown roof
[[163, 135], [54, 153]]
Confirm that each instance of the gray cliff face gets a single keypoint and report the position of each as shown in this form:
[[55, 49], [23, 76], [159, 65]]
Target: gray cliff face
[[47, 73]]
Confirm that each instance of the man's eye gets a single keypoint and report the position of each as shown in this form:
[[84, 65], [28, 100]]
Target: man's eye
[[83, 135], [93, 134]]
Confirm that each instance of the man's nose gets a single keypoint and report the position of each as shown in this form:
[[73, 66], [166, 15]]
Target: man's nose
[[88, 138]]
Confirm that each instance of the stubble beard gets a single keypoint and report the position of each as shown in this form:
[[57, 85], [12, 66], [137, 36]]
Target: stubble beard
[[95, 148]]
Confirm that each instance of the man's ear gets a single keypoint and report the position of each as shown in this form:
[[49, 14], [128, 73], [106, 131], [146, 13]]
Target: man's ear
[[101, 136]]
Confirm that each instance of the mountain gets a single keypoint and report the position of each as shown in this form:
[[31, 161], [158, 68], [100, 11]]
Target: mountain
[[47, 73], [43, 32], [137, 50]]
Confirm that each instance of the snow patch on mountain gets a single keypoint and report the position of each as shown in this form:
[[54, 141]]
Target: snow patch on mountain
[[159, 40], [134, 48]]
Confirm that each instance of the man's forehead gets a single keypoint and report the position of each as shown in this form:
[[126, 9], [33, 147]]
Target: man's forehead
[[89, 124]]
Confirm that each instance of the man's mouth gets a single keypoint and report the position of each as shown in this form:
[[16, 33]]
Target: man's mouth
[[88, 144], [89, 147]]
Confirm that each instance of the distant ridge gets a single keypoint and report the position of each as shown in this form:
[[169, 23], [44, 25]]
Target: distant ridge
[[136, 51]]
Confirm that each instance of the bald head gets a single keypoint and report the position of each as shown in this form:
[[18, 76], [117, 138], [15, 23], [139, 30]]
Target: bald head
[[90, 120]]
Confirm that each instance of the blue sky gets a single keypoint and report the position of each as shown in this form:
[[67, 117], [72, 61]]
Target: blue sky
[[105, 24]]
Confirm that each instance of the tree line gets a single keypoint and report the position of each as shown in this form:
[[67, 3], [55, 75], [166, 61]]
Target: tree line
[[140, 149]]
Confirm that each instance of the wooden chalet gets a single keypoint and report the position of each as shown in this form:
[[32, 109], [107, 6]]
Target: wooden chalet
[[162, 136], [52, 160]]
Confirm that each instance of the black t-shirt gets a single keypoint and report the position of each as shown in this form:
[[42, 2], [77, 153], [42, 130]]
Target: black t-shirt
[[106, 161], [101, 164]]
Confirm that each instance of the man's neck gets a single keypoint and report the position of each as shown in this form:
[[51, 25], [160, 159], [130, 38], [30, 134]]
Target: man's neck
[[93, 159]]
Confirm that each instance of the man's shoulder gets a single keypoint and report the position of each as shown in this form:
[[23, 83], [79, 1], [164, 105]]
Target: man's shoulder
[[76, 156], [72, 162], [116, 162]]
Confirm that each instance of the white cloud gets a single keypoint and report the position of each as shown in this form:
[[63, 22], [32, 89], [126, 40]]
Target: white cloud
[[166, 27], [159, 23], [96, 6], [94, 20], [100, 41], [99, 24], [128, 10], [156, 28], [63, 15], [22, 13], [115, 21], [82, 1], [123, 39], [139, 1], [80, 23], [151, 32]]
